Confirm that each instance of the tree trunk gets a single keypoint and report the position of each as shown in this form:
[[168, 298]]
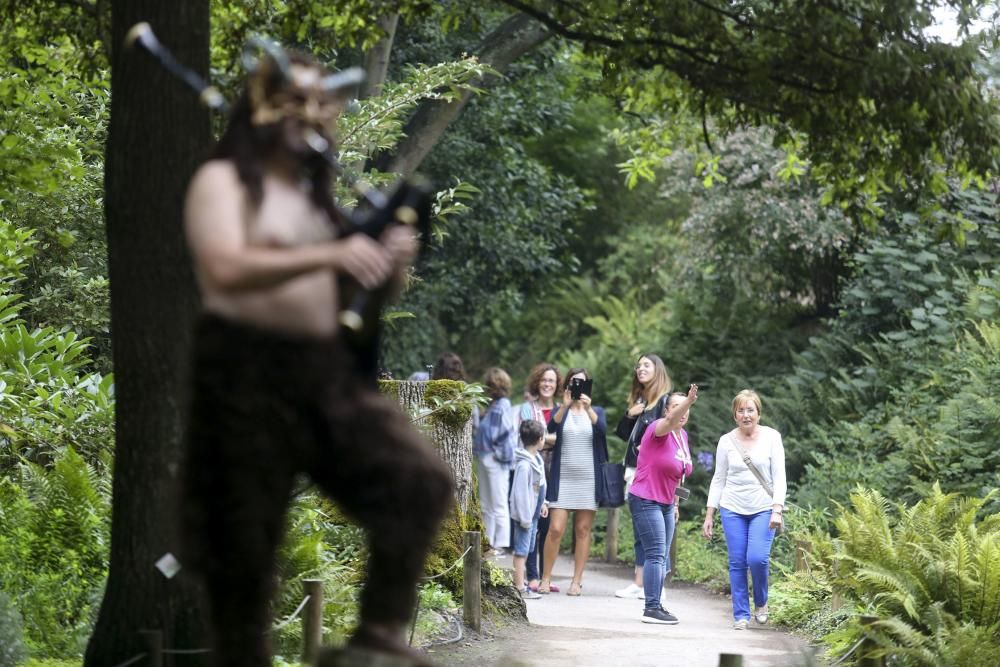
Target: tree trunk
[[453, 441], [376, 62], [512, 39], [157, 135]]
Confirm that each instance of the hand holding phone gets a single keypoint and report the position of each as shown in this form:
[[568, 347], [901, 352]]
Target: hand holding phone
[[578, 387]]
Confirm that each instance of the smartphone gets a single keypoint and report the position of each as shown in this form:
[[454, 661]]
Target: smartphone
[[579, 387], [681, 493]]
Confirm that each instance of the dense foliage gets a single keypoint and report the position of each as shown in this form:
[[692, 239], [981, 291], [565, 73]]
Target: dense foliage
[[579, 224]]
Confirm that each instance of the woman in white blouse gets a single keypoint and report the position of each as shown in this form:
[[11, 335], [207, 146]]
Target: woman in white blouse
[[750, 506]]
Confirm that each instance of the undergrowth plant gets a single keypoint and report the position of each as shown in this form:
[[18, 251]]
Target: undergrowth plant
[[930, 571]]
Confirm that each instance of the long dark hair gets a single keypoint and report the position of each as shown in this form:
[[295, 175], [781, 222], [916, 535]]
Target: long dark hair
[[249, 146]]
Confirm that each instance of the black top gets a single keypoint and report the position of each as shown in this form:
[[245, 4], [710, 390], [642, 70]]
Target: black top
[[630, 429]]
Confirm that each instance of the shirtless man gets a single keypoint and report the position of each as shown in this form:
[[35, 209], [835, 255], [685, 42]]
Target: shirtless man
[[276, 392]]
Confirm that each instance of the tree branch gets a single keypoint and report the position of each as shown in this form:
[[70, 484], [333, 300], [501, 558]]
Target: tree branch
[[513, 38]]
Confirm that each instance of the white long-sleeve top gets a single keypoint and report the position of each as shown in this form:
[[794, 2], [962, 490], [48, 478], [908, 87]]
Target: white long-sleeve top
[[735, 487]]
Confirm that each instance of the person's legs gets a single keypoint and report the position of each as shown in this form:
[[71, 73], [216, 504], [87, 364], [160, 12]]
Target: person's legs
[[736, 527], [759, 543], [557, 527], [543, 533], [583, 522], [640, 555], [523, 537], [234, 486], [493, 501], [647, 518], [669, 526], [383, 473], [531, 559]]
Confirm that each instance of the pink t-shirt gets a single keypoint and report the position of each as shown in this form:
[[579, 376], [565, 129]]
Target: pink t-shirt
[[662, 462]]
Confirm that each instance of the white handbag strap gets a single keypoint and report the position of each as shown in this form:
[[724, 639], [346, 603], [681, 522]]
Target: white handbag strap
[[750, 464]]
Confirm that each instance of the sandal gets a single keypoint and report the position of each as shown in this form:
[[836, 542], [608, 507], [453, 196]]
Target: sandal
[[575, 589], [544, 587]]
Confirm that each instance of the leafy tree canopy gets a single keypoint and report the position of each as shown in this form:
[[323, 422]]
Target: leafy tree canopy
[[878, 104]]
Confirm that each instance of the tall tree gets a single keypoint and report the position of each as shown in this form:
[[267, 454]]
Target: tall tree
[[157, 135], [880, 104]]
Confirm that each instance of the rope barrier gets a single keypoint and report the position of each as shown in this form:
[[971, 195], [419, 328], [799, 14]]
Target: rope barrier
[[416, 611], [849, 653], [461, 635], [132, 660], [452, 567], [293, 615]]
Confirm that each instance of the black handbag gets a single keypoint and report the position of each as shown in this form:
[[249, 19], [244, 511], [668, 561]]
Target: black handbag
[[611, 485]]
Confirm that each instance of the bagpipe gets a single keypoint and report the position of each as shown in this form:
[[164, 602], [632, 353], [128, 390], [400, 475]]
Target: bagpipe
[[407, 202]]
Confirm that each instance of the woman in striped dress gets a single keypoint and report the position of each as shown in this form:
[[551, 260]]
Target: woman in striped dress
[[580, 450]]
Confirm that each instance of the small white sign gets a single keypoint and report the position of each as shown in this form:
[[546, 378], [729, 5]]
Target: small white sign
[[168, 565]]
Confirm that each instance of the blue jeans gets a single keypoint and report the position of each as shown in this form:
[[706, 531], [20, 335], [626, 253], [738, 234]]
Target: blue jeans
[[525, 539], [536, 557], [654, 525], [748, 540], [640, 554]]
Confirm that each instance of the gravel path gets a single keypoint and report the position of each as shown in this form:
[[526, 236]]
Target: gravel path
[[600, 630]]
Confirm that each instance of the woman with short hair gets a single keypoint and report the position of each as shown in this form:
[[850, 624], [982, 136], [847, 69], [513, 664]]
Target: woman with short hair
[[493, 446], [749, 489]]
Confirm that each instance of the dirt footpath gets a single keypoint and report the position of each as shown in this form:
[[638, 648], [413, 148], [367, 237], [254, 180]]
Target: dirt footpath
[[600, 630]]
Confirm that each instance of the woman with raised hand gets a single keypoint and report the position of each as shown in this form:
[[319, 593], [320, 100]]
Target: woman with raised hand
[[664, 461], [581, 448], [540, 388], [749, 489], [646, 401]]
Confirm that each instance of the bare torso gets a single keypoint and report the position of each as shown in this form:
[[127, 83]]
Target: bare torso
[[302, 304]]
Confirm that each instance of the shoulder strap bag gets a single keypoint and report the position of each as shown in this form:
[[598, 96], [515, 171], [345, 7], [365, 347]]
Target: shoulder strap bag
[[756, 473]]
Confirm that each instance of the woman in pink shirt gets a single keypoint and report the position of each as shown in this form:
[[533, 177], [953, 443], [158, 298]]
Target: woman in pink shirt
[[664, 459]]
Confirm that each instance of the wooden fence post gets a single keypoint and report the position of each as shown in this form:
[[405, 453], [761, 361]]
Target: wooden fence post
[[154, 647], [312, 620], [836, 600], [611, 537], [802, 549], [868, 645], [730, 660], [472, 591]]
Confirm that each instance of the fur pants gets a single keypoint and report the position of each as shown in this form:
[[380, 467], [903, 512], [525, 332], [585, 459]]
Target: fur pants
[[266, 407]]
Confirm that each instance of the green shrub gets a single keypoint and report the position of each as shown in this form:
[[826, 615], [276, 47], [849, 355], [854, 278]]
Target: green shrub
[[12, 650], [54, 532], [931, 572], [700, 561]]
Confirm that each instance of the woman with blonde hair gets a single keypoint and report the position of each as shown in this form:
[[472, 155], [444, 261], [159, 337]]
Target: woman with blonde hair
[[749, 489], [647, 402], [493, 446]]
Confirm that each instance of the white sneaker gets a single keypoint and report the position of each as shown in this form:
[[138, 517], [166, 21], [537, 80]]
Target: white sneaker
[[741, 624], [631, 592]]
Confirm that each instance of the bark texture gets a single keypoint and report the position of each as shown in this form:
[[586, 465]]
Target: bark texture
[[158, 133], [452, 438]]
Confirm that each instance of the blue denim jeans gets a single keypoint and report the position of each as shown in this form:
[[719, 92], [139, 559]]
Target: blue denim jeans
[[527, 538], [640, 553], [748, 540], [654, 525], [536, 557]]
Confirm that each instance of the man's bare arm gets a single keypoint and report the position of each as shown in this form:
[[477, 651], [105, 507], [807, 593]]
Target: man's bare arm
[[216, 233]]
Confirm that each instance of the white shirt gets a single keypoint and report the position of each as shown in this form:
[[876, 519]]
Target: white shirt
[[735, 487]]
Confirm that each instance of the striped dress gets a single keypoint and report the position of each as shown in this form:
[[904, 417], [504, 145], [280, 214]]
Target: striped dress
[[576, 465]]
